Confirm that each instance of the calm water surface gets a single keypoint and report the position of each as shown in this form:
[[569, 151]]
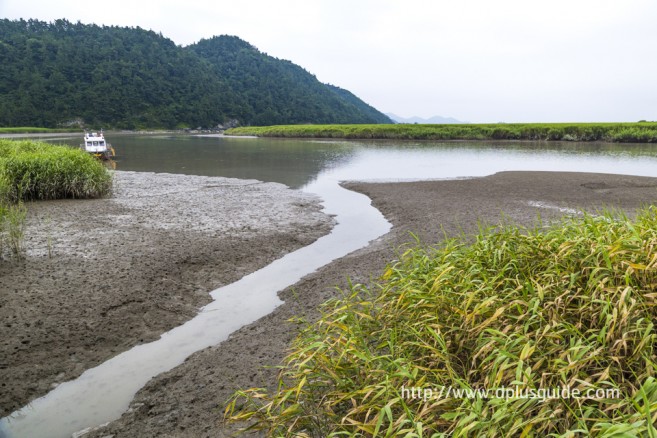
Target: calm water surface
[[102, 393], [298, 163]]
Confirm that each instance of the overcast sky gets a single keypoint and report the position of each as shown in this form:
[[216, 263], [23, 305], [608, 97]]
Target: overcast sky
[[475, 60]]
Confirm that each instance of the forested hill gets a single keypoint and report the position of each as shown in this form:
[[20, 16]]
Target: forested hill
[[278, 91], [56, 73]]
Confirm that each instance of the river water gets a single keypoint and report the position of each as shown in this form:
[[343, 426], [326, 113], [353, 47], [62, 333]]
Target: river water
[[298, 163], [103, 393]]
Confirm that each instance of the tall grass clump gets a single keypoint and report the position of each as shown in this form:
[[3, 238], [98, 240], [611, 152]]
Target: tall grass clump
[[37, 171], [572, 307], [12, 226]]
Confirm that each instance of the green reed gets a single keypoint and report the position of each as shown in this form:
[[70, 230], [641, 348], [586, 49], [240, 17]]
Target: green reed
[[571, 306], [643, 132], [37, 171], [30, 130]]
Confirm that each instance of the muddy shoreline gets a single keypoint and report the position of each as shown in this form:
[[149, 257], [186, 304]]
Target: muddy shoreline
[[83, 295], [101, 276], [189, 400]]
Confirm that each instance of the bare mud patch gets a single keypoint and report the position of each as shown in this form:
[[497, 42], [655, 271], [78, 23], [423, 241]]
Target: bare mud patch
[[101, 276]]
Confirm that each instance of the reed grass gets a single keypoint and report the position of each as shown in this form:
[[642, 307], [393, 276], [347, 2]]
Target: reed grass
[[571, 306], [32, 170], [31, 130], [641, 132], [12, 228]]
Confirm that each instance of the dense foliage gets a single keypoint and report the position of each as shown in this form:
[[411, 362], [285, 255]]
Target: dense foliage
[[642, 132], [573, 307], [278, 91], [63, 73]]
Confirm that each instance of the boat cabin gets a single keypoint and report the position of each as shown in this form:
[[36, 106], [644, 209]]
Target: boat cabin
[[95, 144]]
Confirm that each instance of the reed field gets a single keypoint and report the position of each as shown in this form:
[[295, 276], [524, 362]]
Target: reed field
[[569, 308], [32, 170], [640, 132], [30, 130]]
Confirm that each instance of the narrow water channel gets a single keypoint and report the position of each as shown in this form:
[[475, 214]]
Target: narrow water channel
[[103, 393]]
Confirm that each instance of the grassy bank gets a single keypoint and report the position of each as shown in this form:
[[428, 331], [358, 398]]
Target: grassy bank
[[643, 132], [32, 170], [31, 130], [571, 307]]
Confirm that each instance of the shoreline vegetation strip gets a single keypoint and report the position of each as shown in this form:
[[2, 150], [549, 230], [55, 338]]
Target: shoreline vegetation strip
[[640, 132], [35, 130], [573, 305]]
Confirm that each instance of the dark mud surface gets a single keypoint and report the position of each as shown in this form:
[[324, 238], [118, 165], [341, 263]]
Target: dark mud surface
[[101, 276]]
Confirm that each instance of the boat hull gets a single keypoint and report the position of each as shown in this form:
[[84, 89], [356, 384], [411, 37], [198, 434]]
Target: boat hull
[[107, 154]]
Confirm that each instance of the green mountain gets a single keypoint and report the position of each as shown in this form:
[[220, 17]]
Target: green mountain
[[54, 74], [278, 91]]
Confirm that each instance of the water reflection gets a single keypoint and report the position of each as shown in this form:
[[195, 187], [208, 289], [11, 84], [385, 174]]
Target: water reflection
[[293, 163], [298, 163]]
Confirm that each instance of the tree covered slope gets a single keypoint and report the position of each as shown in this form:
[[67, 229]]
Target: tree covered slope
[[278, 91], [56, 73]]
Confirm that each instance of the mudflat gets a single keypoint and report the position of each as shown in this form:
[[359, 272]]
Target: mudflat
[[101, 276], [188, 401]]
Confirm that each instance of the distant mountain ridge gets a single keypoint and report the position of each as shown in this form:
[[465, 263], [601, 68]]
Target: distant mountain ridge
[[63, 73], [435, 120]]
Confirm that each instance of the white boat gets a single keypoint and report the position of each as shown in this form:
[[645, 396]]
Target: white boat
[[95, 144]]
